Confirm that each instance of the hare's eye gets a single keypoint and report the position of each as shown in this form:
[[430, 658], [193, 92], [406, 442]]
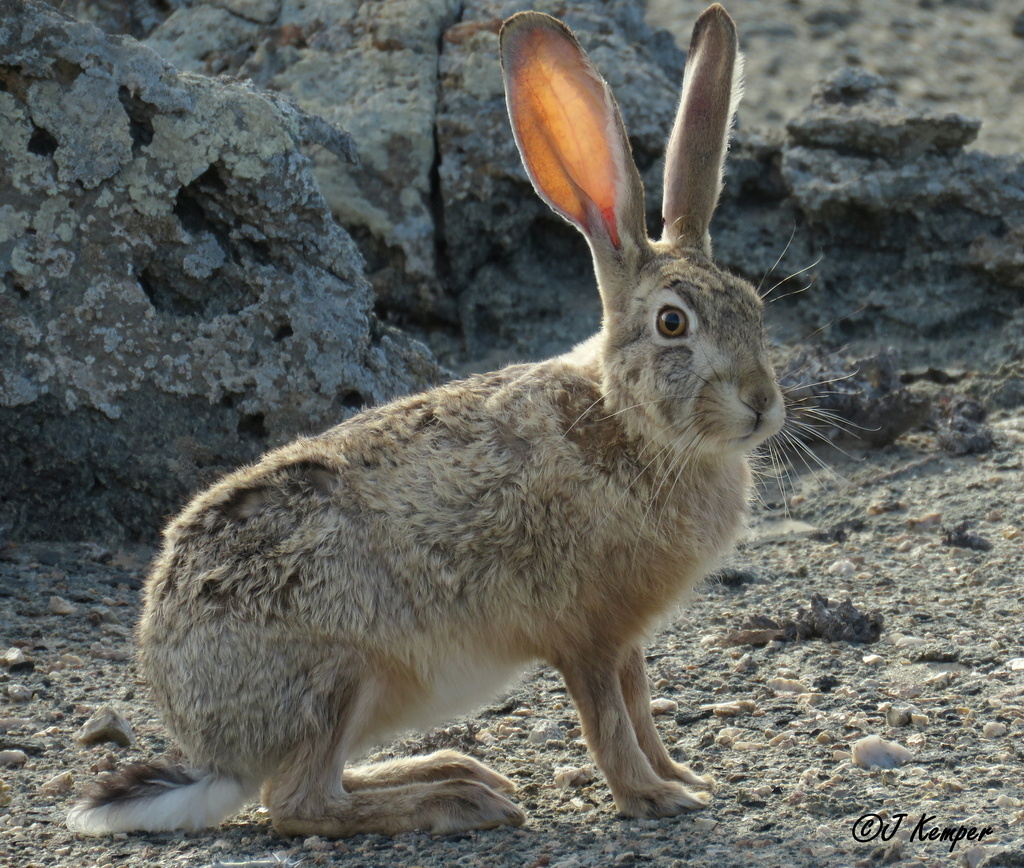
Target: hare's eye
[[673, 322]]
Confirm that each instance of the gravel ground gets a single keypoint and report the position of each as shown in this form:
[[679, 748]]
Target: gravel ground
[[774, 723]]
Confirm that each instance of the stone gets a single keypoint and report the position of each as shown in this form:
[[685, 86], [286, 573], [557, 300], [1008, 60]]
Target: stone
[[106, 725], [13, 758], [60, 606], [175, 296], [874, 751], [58, 784], [545, 731]]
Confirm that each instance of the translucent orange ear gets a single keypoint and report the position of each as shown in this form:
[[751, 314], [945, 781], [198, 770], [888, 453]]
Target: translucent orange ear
[[566, 124]]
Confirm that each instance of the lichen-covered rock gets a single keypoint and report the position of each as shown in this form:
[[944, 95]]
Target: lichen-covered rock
[[174, 293], [369, 67], [455, 238]]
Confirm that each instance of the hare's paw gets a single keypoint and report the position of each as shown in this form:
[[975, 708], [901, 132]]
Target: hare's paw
[[669, 799], [444, 765], [457, 806], [451, 765], [684, 774]]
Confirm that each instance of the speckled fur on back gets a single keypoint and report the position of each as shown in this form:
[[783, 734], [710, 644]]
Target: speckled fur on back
[[403, 566]]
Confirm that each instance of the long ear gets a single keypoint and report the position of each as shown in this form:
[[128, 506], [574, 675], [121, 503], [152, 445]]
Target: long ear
[[570, 134], [694, 159]]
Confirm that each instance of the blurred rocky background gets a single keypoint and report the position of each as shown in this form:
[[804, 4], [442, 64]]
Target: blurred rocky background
[[227, 223]]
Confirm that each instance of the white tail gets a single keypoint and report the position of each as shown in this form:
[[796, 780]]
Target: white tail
[[148, 799]]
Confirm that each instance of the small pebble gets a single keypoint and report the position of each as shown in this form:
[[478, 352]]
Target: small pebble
[[872, 750], [106, 725], [842, 568], [909, 642], [58, 784], [994, 729], [13, 657], [13, 758], [664, 706], [787, 685], [18, 693], [898, 715], [727, 735], [925, 522], [545, 731], [60, 606], [973, 857], [574, 776], [873, 659], [734, 709], [746, 663]]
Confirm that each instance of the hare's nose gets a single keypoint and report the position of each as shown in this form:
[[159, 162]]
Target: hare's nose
[[759, 398]]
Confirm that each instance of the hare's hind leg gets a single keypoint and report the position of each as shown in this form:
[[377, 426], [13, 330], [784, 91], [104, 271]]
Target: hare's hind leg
[[444, 765], [307, 795], [637, 693], [594, 680]]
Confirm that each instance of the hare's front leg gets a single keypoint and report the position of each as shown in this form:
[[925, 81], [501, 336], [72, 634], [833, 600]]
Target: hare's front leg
[[637, 694], [595, 683]]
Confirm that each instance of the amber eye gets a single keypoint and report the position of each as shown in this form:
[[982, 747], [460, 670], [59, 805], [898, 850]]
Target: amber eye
[[673, 322]]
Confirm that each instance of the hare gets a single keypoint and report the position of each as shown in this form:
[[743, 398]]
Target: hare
[[406, 564]]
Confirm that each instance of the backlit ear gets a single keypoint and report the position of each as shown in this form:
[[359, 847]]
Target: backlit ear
[[569, 131], [695, 157]]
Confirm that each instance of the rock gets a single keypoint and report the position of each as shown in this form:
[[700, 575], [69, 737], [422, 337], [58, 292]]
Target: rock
[[829, 396], [961, 427], [994, 729], [60, 606], [574, 776], [841, 568], [19, 693], [874, 751], [12, 657], [13, 758], [904, 232], [58, 784], [854, 110], [962, 537], [664, 706], [106, 725], [734, 709], [545, 731], [175, 296], [787, 685], [902, 715]]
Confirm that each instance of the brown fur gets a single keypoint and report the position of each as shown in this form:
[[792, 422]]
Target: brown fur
[[402, 566]]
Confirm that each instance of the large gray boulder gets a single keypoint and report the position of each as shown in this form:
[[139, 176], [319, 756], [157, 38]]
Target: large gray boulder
[[459, 249], [914, 239], [174, 293]]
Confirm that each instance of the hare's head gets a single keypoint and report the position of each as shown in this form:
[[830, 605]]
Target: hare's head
[[682, 349]]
